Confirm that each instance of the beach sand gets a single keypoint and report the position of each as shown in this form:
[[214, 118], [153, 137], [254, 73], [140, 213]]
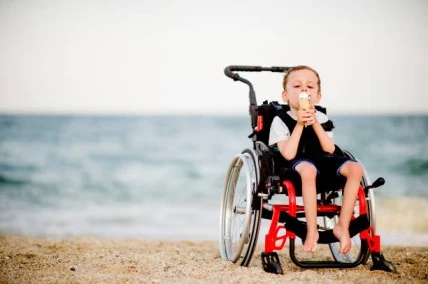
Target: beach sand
[[97, 260]]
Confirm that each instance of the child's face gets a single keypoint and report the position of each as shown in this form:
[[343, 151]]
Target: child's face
[[301, 81]]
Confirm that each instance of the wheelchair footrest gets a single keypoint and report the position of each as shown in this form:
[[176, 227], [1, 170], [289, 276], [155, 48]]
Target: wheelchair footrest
[[270, 262], [380, 263], [326, 237]]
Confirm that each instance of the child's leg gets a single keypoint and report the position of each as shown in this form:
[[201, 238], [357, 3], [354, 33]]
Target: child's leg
[[353, 173], [308, 174]]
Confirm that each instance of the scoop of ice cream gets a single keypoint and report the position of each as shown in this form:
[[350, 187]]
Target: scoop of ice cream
[[303, 96]]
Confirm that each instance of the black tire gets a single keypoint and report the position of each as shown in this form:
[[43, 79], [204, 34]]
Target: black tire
[[239, 220]]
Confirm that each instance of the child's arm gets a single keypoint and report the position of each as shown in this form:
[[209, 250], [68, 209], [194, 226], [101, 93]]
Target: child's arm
[[288, 148]]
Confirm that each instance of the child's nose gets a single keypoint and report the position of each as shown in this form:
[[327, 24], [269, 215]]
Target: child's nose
[[305, 90]]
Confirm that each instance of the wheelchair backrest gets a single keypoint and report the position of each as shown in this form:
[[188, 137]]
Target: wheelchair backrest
[[266, 113]]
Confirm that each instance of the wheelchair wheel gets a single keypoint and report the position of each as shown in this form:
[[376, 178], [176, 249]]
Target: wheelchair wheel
[[240, 213], [358, 247]]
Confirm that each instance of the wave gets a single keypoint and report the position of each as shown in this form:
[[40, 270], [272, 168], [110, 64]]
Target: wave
[[11, 181], [414, 167]]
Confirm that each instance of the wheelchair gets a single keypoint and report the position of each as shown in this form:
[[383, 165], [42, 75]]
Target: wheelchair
[[254, 181]]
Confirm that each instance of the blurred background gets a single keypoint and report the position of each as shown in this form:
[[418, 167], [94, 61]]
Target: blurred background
[[116, 119]]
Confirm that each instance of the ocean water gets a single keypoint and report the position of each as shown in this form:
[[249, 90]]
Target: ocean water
[[161, 177]]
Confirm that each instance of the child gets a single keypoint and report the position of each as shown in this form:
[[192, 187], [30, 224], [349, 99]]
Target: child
[[308, 147]]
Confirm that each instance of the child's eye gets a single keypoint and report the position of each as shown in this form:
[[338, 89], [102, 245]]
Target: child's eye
[[296, 86], [310, 87]]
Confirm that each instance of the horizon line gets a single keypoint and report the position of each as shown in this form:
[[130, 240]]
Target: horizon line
[[193, 113]]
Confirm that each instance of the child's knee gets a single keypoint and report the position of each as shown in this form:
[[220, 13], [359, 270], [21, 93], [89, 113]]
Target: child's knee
[[357, 169], [306, 170], [352, 169]]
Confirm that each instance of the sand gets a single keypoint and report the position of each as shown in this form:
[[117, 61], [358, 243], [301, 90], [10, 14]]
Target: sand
[[97, 260]]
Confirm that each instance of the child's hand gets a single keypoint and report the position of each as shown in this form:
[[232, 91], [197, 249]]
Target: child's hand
[[303, 116], [306, 116], [312, 117]]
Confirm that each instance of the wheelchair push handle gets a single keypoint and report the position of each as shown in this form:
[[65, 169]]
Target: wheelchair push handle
[[229, 70]]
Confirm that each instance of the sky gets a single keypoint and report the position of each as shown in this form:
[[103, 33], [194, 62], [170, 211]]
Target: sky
[[168, 57]]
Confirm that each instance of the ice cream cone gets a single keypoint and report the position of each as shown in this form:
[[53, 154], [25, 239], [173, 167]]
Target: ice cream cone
[[304, 101]]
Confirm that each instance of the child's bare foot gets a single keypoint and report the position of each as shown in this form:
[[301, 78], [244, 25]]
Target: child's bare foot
[[311, 240], [342, 235]]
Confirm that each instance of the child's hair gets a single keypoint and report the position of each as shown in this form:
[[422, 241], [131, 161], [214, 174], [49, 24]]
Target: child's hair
[[297, 68]]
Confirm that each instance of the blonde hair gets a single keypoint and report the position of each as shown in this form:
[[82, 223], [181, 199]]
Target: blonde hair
[[297, 68]]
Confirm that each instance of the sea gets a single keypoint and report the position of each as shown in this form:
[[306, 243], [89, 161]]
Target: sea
[[161, 177]]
